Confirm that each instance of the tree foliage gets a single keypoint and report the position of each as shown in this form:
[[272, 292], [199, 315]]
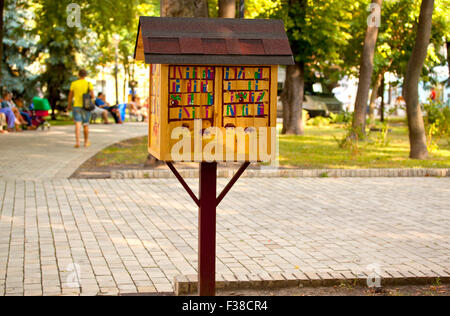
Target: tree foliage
[[19, 47], [396, 37], [66, 49], [318, 31]]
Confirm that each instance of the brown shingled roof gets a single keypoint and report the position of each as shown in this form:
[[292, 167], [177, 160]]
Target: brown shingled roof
[[212, 41]]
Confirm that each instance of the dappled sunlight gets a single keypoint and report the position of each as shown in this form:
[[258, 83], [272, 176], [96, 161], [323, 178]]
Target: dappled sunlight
[[99, 130], [318, 148], [227, 212]]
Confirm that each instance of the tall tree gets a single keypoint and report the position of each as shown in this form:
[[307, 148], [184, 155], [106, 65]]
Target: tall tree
[[366, 68], [60, 43], [66, 48], [448, 60], [2, 5], [317, 31], [396, 40], [375, 93], [19, 49], [227, 8], [184, 8], [294, 85], [292, 99], [181, 8], [417, 138]]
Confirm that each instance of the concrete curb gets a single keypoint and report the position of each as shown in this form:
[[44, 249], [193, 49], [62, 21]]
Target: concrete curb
[[187, 284], [286, 173]]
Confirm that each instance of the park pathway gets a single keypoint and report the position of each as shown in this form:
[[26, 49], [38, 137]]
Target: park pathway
[[39, 155], [135, 236]]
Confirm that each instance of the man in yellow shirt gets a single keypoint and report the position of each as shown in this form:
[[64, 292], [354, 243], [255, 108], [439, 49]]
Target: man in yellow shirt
[[80, 115]]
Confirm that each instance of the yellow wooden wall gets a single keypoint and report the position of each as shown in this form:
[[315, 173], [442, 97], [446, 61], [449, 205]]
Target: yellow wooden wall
[[177, 98]]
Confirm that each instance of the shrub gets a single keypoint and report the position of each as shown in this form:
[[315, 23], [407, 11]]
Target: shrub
[[319, 121], [350, 140], [342, 117], [382, 135], [437, 123]]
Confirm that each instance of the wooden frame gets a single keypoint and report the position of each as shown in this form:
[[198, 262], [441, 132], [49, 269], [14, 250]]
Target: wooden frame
[[161, 126]]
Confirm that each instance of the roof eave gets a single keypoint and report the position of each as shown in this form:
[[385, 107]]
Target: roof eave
[[218, 59]]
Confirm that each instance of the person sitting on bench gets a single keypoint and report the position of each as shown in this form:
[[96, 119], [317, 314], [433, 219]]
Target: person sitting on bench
[[101, 103]]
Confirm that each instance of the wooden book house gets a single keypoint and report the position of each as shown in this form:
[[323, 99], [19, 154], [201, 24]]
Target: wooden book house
[[211, 73]]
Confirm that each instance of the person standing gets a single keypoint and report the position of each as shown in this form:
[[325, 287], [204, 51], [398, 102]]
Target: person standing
[[80, 115]]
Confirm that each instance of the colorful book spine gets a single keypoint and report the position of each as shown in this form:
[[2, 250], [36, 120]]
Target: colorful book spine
[[231, 111], [261, 109], [261, 96], [240, 73], [210, 99], [245, 110]]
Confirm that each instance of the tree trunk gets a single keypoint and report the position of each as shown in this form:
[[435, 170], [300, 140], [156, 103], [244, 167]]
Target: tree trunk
[[2, 5], [227, 9], [125, 74], [365, 74], [184, 8], [417, 138], [448, 60], [374, 95], [382, 86], [180, 8], [292, 99]]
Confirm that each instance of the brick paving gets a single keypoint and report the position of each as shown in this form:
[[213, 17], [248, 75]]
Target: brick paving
[[129, 236], [40, 155]]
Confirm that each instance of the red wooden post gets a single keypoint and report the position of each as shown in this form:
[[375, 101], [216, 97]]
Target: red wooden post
[[207, 229], [207, 204]]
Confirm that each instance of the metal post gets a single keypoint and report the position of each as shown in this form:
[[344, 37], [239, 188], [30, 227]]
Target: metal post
[[207, 229]]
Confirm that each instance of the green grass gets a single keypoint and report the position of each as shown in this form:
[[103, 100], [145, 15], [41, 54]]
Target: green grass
[[316, 149], [129, 152], [65, 120], [61, 121]]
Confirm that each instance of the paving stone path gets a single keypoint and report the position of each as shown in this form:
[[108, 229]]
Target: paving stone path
[[130, 236], [38, 155]]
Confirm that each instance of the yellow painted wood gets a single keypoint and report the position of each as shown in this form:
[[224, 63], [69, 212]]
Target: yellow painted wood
[[161, 148], [165, 132]]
